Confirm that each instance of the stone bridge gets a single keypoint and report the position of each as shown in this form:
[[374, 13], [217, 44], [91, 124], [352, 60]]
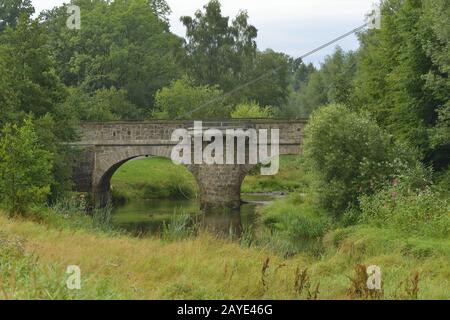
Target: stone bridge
[[104, 147]]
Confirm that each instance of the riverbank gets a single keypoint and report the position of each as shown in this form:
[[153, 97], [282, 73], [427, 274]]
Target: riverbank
[[34, 256]]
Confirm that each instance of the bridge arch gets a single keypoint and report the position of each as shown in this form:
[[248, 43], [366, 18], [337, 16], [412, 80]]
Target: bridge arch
[[109, 159]]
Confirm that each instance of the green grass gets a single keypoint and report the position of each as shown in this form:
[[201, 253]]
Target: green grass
[[294, 237], [34, 256], [152, 178], [291, 177]]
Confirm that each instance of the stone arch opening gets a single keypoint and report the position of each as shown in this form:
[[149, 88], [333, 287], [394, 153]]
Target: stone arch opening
[[109, 160]]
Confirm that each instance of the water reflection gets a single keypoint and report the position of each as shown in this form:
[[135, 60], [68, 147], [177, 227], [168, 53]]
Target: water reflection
[[149, 216]]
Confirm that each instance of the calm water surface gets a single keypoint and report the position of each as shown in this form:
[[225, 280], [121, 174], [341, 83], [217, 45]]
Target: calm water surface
[[149, 216]]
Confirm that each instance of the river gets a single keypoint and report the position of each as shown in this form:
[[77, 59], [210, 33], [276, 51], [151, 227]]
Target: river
[[146, 217]]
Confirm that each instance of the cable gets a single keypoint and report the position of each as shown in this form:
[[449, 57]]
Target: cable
[[272, 71]]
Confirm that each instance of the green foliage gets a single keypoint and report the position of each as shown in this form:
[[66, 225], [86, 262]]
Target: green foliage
[[295, 224], [251, 111], [299, 225], [332, 83], [25, 168], [103, 105], [403, 71], [350, 156], [33, 84], [221, 53], [412, 211], [441, 132], [11, 10], [217, 52], [122, 44], [180, 227], [300, 74], [29, 85], [266, 80], [184, 100], [52, 137], [291, 177]]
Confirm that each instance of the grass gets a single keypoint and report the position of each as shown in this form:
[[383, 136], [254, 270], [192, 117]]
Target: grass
[[297, 252], [34, 257], [152, 178], [291, 177]]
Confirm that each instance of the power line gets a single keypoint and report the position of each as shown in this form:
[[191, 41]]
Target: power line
[[273, 71]]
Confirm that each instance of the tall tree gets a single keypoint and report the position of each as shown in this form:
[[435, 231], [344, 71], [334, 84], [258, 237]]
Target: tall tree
[[224, 53], [11, 10], [122, 44], [332, 83], [33, 83], [32, 87], [217, 51], [403, 74]]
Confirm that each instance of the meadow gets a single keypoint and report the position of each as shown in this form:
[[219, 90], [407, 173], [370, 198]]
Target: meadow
[[34, 256], [297, 251]]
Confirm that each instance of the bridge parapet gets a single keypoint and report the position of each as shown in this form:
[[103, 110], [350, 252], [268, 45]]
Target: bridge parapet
[[160, 132]]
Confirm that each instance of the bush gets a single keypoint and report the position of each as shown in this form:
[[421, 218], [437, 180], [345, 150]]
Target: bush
[[413, 211], [350, 156], [251, 111], [25, 168], [294, 224], [183, 100]]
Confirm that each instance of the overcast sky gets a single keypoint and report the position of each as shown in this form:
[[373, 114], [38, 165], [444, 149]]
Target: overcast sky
[[290, 26]]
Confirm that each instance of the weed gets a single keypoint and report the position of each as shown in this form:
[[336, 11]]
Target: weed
[[264, 270]]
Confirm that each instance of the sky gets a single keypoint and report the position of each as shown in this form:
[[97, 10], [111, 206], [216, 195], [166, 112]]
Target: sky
[[290, 26]]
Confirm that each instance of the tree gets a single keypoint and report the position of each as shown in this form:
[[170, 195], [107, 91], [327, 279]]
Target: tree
[[184, 100], [332, 83], [300, 74], [11, 10], [122, 44], [30, 70], [266, 81], [225, 54], [217, 52], [402, 77], [25, 168], [350, 156], [30, 86], [103, 105]]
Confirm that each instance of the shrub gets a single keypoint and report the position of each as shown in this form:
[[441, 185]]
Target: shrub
[[294, 225], [415, 211], [350, 155], [251, 111], [25, 168], [184, 100]]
